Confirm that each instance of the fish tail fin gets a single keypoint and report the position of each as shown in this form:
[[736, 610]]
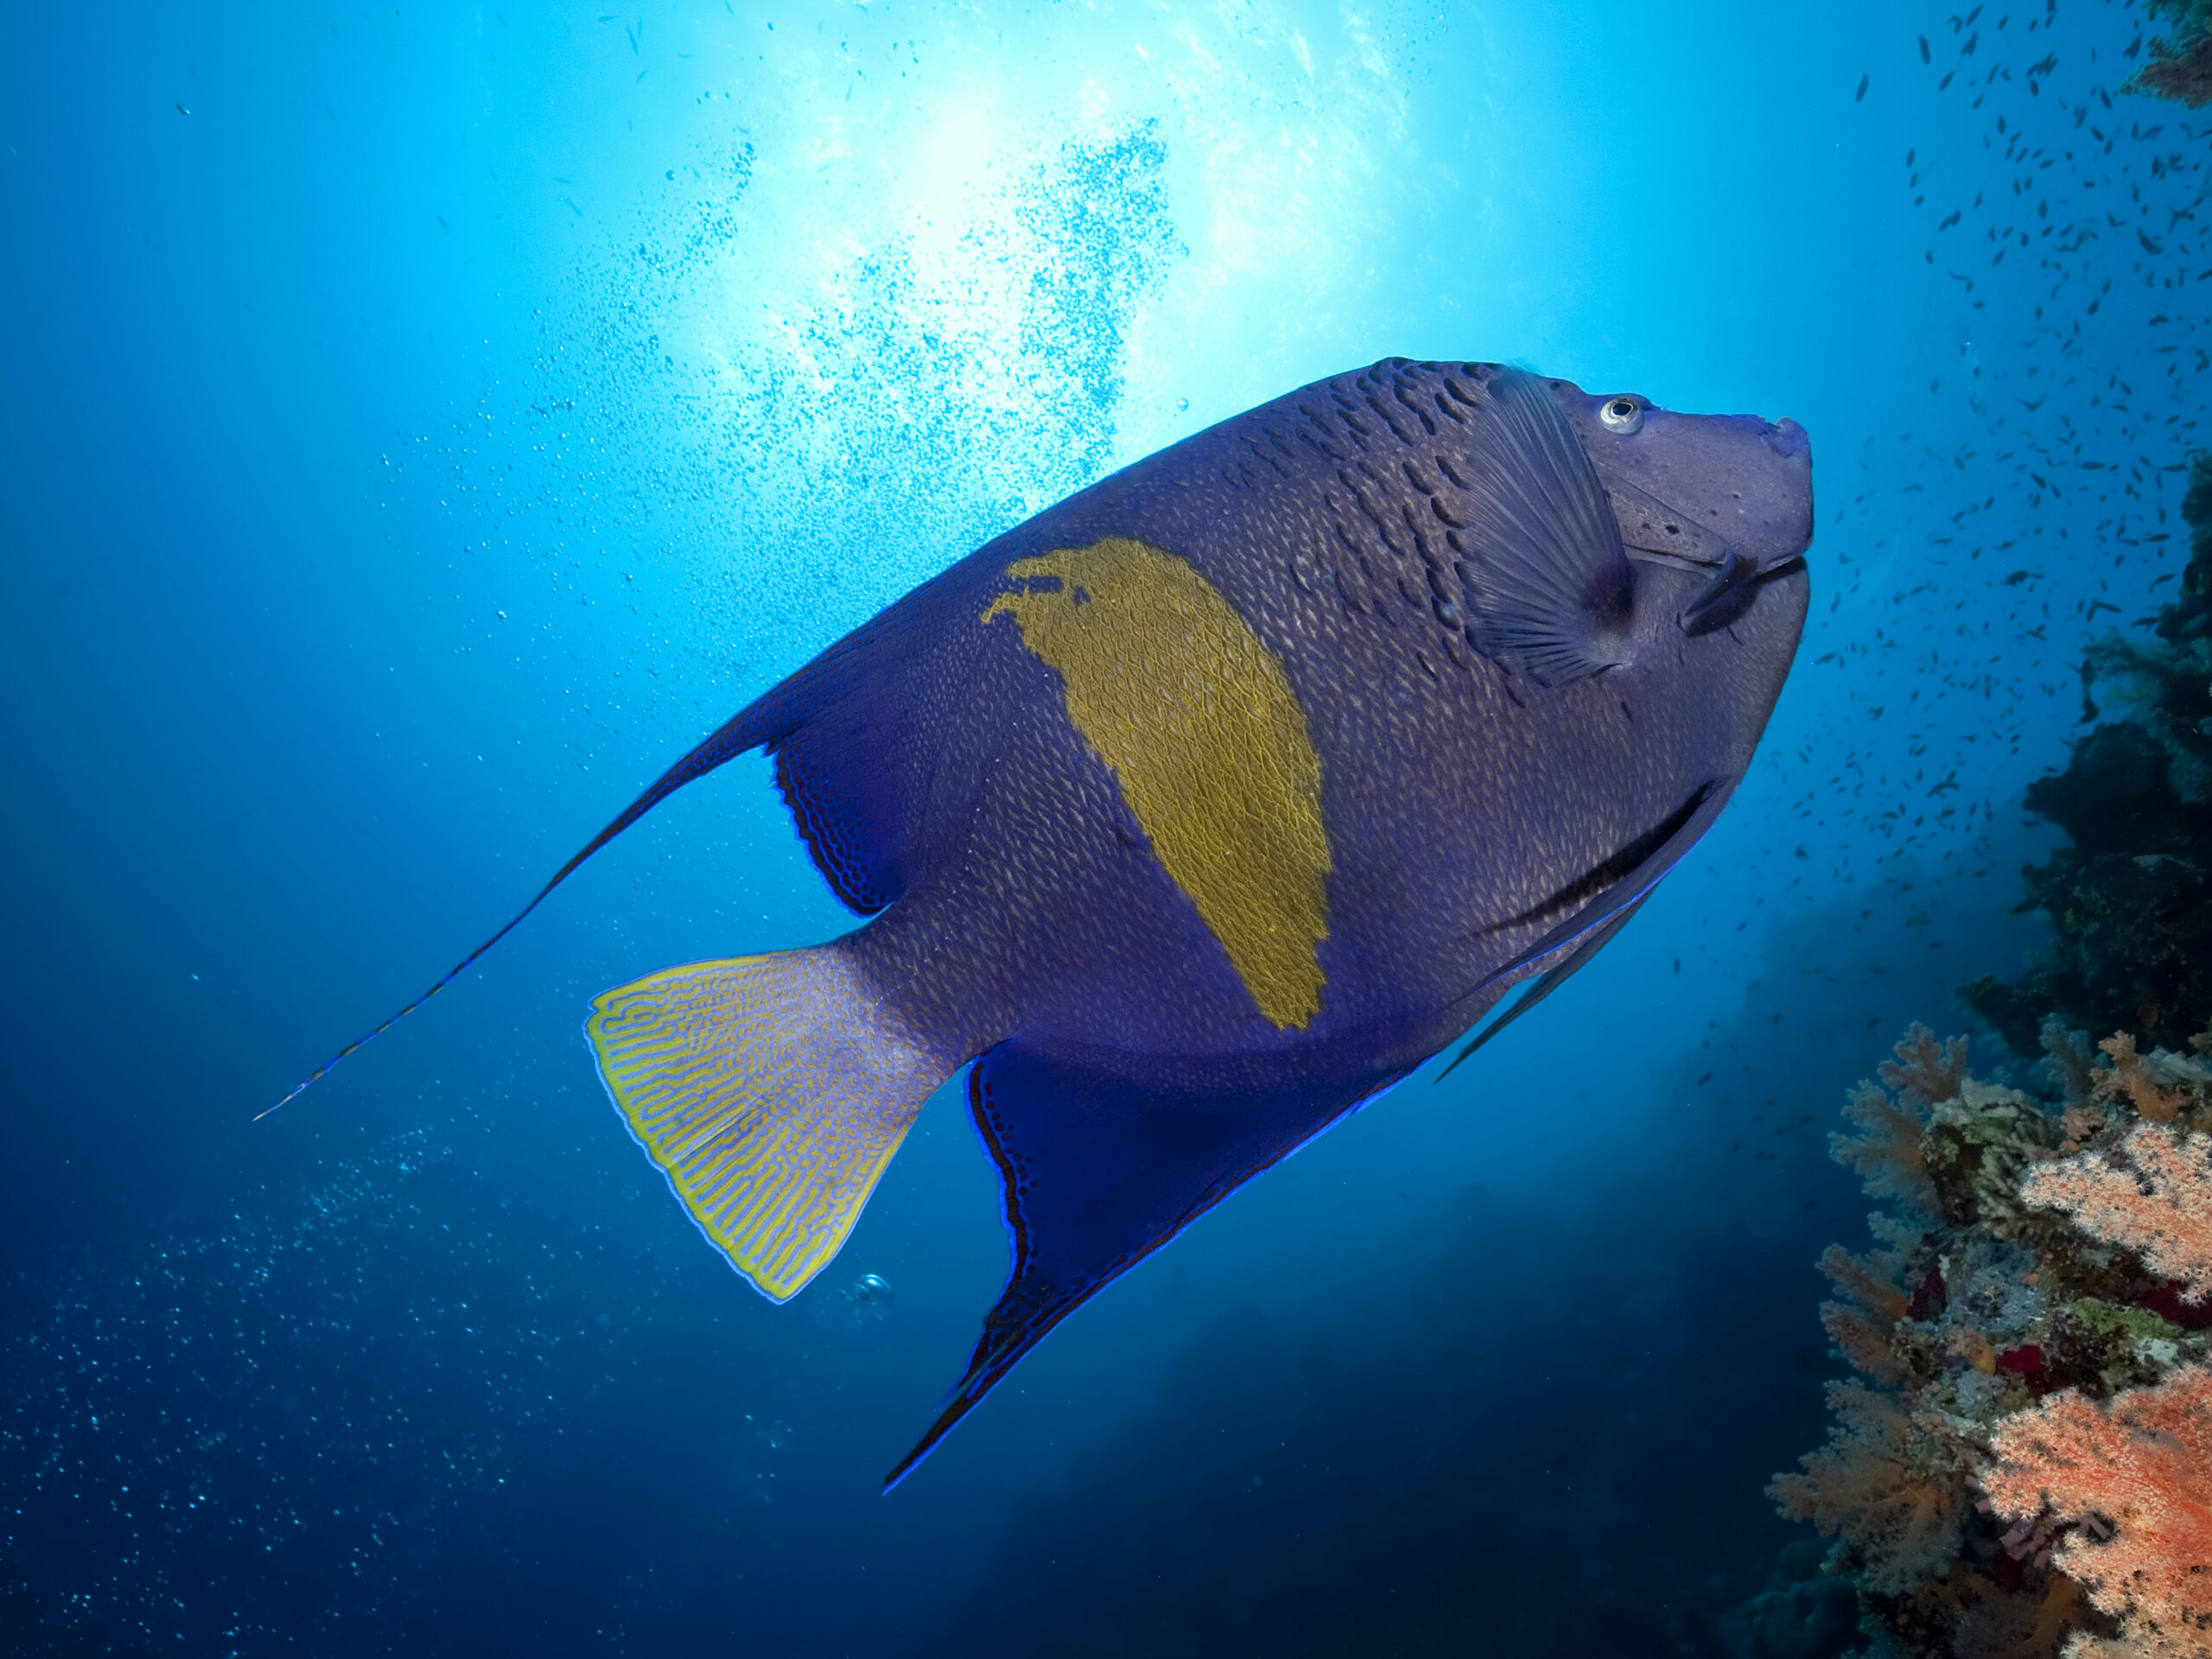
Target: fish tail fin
[[771, 1092]]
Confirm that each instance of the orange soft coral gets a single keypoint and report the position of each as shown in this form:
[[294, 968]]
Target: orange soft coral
[[1886, 1152], [2131, 1079], [2137, 1477], [1925, 1069], [1885, 1483], [1862, 1321], [2066, 1056], [2029, 1623], [2151, 1195]]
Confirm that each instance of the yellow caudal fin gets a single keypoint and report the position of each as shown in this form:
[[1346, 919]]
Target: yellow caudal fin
[[772, 1092]]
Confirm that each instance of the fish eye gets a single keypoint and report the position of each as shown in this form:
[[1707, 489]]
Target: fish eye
[[1621, 414]]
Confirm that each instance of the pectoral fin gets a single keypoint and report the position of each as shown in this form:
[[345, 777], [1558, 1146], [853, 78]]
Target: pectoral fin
[[1550, 980], [1549, 584]]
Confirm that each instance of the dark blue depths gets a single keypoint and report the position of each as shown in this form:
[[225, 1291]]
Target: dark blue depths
[[421, 427]]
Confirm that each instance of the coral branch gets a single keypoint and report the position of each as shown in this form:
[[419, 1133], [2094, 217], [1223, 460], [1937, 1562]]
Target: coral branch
[[2130, 1078], [2155, 1200], [2066, 1053], [2135, 1480], [1925, 1069], [1886, 1151], [2180, 67], [1870, 1305]]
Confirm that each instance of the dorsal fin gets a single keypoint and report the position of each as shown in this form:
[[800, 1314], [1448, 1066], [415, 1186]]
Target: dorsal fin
[[1550, 588]]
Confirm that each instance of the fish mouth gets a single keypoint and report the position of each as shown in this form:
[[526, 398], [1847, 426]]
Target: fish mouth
[[1757, 529], [1751, 523]]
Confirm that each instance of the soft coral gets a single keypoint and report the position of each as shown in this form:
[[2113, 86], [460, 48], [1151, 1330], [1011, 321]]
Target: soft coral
[[2134, 1479], [2153, 1194]]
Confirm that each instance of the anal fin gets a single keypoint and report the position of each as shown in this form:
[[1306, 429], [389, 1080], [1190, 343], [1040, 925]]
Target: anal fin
[[1101, 1165], [771, 1092], [1630, 875], [1552, 979]]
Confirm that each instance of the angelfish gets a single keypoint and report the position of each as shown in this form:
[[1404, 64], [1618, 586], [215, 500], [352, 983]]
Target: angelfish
[[1205, 805]]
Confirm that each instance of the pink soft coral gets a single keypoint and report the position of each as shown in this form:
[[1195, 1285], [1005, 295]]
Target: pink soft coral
[[2152, 1195], [2136, 1478]]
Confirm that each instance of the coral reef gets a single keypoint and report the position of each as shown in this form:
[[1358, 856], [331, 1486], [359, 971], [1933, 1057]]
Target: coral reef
[[2022, 1466], [2131, 1481], [2180, 64], [2130, 894], [2033, 1318]]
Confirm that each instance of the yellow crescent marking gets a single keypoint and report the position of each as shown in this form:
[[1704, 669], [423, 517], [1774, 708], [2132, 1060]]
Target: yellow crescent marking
[[1197, 720]]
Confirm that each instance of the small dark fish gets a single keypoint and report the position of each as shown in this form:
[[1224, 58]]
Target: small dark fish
[[1859, 96], [1210, 803]]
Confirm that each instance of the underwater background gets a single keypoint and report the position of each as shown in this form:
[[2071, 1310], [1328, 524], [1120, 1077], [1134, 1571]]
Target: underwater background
[[422, 424]]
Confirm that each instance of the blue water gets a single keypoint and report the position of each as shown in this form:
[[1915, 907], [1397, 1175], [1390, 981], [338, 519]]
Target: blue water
[[422, 424]]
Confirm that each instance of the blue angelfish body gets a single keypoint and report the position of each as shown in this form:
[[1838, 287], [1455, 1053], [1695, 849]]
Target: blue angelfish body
[[1207, 803]]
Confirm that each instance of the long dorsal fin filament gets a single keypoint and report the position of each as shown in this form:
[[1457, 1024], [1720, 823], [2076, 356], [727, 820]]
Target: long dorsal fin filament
[[733, 739]]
